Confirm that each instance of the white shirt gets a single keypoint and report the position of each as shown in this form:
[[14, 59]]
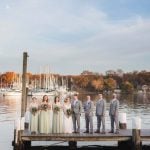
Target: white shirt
[[88, 101]]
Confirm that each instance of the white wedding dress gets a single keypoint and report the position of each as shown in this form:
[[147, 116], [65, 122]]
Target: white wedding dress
[[68, 125]]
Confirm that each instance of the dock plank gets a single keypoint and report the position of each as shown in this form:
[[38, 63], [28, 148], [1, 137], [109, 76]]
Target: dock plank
[[122, 136]]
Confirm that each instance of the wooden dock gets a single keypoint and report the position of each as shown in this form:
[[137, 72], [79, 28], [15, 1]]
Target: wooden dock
[[124, 138]]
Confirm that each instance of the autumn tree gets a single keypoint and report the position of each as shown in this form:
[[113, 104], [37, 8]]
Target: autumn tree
[[98, 84], [110, 84], [9, 77], [127, 87]]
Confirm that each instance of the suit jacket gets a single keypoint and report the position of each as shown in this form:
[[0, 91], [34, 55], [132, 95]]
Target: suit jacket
[[114, 107], [88, 108], [100, 107], [77, 107]]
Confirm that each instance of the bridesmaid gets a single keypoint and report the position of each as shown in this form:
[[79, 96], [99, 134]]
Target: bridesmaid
[[57, 126], [44, 116], [34, 115], [68, 125]]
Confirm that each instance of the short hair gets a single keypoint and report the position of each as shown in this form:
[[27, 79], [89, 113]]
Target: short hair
[[75, 94], [115, 95]]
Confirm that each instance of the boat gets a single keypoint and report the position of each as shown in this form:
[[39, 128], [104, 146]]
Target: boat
[[41, 92], [12, 92]]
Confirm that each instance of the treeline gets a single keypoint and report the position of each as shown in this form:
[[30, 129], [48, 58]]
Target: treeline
[[128, 82]]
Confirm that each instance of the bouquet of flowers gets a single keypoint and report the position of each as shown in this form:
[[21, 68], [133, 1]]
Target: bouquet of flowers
[[44, 107], [34, 110], [69, 112], [56, 108]]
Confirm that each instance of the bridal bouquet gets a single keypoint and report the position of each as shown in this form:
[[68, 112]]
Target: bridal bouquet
[[69, 112], [34, 110], [56, 108], [44, 107]]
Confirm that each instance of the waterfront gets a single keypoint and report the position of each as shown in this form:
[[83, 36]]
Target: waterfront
[[133, 105]]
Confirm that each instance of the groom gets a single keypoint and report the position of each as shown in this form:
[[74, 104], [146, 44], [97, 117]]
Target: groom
[[76, 113]]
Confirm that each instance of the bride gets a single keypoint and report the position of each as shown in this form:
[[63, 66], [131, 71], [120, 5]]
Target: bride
[[67, 116]]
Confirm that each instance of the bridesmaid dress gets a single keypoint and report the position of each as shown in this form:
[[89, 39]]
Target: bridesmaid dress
[[57, 124], [34, 117], [45, 120]]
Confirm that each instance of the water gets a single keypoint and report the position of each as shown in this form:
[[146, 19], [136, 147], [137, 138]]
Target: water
[[133, 105]]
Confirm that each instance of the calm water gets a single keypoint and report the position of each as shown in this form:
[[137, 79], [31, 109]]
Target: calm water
[[133, 105]]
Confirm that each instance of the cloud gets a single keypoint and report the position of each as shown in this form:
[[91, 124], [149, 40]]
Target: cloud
[[71, 36]]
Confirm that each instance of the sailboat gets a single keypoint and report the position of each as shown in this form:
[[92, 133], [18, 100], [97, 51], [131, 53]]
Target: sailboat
[[45, 85]]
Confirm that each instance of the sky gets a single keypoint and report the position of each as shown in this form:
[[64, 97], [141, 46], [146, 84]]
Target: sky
[[70, 36]]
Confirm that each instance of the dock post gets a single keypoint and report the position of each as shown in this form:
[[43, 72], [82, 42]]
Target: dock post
[[123, 121], [123, 145], [27, 145], [23, 102], [14, 141], [72, 145], [26, 123], [136, 139], [136, 131]]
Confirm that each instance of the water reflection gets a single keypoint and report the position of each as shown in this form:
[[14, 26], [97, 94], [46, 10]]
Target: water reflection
[[129, 103]]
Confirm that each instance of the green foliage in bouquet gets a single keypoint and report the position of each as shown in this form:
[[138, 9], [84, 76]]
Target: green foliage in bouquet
[[69, 112], [44, 107], [56, 108], [34, 110]]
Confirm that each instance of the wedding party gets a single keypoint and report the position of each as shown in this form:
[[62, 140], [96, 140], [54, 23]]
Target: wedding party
[[63, 116]]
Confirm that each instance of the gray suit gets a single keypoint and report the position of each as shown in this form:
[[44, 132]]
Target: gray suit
[[76, 112], [113, 112], [100, 114], [88, 109]]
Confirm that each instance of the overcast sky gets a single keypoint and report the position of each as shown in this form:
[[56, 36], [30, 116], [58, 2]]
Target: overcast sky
[[75, 35]]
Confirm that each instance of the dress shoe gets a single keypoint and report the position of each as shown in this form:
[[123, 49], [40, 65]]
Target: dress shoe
[[86, 132], [33, 132], [117, 132], [74, 132], [111, 132], [97, 131], [103, 132]]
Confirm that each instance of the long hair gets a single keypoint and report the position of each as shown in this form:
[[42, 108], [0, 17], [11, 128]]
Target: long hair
[[44, 98], [56, 98], [67, 99]]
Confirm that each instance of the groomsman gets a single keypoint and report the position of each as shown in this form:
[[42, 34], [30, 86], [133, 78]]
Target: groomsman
[[113, 113], [88, 109], [76, 113], [100, 114]]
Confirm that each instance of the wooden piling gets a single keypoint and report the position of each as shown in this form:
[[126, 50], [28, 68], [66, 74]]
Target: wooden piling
[[72, 145], [136, 139], [122, 121], [125, 145], [23, 102]]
